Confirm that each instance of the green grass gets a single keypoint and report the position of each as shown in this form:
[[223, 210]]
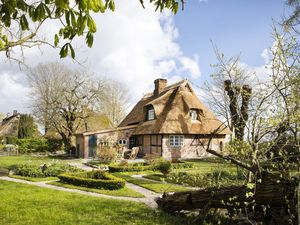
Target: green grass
[[157, 187], [23, 204], [127, 192], [34, 179], [208, 165]]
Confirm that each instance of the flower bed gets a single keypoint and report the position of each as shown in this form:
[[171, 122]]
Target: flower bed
[[44, 170], [94, 179]]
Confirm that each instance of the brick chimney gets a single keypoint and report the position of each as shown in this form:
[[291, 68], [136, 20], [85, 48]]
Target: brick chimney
[[159, 85]]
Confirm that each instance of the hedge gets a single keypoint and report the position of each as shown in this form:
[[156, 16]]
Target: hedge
[[137, 167], [94, 179], [129, 168]]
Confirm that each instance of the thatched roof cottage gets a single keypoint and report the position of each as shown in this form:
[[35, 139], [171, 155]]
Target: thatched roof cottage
[[170, 122]]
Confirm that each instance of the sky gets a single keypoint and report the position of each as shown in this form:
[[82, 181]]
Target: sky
[[135, 46]]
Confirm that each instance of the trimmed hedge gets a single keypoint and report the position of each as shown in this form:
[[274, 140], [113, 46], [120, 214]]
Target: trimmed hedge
[[137, 167], [94, 179], [129, 168]]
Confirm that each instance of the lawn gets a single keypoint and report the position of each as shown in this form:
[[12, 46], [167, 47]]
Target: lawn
[[157, 187], [27, 204], [208, 165], [127, 192], [34, 179]]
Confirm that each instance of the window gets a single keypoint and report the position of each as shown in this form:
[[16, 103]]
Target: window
[[151, 113], [176, 140], [122, 142], [193, 114]]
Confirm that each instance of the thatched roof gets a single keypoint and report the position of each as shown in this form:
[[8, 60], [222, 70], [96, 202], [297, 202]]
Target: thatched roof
[[9, 126], [172, 107]]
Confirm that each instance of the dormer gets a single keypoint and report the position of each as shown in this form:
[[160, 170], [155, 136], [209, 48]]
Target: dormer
[[150, 113], [195, 114]]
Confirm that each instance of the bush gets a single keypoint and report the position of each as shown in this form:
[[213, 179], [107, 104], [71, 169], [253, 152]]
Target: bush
[[44, 170], [106, 154], [27, 145], [29, 171], [164, 166], [94, 179]]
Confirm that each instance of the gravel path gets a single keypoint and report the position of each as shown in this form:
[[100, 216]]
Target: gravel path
[[148, 200]]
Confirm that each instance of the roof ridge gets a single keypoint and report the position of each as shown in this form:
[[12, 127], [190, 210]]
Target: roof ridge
[[167, 88]]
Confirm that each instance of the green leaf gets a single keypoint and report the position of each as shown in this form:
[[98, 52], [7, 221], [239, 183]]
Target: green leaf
[[81, 24], [91, 24], [72, 51], [67, 17], [64, 51], [56, 40], [89, 39], [112, 5], [1, 44], [62, 4], [24, 23]]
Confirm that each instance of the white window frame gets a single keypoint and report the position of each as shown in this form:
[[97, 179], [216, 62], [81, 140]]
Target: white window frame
[[151, 114], [122, 141], [176, 140], [194, 114]]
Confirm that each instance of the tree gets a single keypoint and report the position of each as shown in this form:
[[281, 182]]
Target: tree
[[116, 102], [27, 127], [21, 21], [270, 195], [229, 93], [63, 98]]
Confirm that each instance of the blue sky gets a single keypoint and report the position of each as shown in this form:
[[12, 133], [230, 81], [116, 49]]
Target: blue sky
[[135, 46], [234, 26]]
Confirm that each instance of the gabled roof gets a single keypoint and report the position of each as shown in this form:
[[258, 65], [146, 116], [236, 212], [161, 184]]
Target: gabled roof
[[172, 107], [9, 126]]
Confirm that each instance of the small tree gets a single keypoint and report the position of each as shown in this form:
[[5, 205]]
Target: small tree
[[27, 127], [164, 166]]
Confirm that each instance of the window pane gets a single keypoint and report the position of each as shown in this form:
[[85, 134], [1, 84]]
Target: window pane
[[151, 114]]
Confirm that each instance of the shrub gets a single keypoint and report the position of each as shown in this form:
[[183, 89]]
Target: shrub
[[106, 154], [164, 166], [55, 144], [27, 145], [29, 171], [94, 179], [44, 170]]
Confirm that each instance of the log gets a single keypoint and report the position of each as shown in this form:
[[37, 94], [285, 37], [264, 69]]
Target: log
[[267, 193]]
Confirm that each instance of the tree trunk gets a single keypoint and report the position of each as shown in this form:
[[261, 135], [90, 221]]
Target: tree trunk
[[267, 193]]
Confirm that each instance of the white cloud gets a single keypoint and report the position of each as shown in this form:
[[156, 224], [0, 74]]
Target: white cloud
[[133, 45], [14, 95], [266, 55], [191, 66]]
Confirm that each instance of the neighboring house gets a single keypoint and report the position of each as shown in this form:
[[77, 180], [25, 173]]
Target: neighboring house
[[170, 122], [9, 126]]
